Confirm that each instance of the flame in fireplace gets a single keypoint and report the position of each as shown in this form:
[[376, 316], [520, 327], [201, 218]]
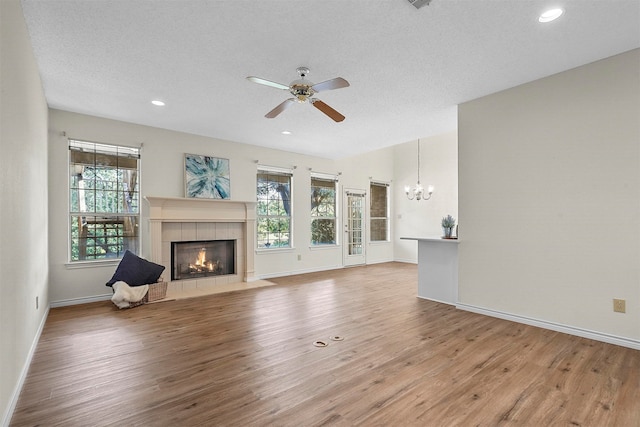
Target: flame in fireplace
[[201, 264], [202, 258]]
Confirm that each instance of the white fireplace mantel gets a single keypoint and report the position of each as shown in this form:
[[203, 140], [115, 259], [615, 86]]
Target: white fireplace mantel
[[172, 209]]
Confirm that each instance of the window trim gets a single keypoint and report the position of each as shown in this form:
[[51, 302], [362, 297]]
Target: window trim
[[327, 178], [388, 211], [276, 170], [134, 152]]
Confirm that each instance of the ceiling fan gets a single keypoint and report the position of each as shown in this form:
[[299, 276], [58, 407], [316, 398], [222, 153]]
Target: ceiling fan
[[303, 91]]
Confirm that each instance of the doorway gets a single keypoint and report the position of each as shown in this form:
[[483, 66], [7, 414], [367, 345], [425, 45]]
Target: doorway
[[355, 227]]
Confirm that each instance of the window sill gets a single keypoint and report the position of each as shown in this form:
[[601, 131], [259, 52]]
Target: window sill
[[91, 264], [380, 242]]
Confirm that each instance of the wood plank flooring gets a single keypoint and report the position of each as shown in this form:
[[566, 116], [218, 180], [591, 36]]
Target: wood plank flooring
[[247, 359]]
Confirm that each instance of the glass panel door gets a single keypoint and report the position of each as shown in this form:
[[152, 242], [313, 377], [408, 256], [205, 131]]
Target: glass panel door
[[354, 227]]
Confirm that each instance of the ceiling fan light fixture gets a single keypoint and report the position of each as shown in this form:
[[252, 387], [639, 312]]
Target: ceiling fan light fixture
[[550, 15], [303, 91]]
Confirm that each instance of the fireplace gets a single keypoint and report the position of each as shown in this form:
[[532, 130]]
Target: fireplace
[[202, 258], [191, 219]]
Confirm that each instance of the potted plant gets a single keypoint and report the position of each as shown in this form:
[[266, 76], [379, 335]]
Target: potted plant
[[448, 222]]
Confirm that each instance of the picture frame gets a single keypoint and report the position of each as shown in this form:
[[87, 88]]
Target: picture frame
[[206, 177]]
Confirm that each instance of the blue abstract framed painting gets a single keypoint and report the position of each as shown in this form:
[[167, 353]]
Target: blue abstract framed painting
[[206, 177]]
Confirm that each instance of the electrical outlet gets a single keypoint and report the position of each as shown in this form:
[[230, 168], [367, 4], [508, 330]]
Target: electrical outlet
[[619, 305], [37, 305], [299, 257]]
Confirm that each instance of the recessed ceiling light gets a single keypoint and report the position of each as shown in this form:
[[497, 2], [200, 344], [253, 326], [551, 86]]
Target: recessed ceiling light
[[550, 15], [286, 132], [158, 103]]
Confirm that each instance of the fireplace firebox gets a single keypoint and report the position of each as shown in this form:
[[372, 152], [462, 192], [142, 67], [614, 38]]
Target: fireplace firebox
[[191, 260]]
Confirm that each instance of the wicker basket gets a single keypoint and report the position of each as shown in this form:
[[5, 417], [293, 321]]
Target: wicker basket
[[157, 291]]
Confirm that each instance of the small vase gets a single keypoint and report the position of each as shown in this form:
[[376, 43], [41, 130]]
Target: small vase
[[448, 231]]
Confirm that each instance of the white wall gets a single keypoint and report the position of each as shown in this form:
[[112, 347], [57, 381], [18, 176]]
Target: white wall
[[163, 175], [357, 173], [550, 198], [23, 204], [439, 167]]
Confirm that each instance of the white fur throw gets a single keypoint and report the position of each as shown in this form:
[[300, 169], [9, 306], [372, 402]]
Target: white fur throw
[[124, 294]]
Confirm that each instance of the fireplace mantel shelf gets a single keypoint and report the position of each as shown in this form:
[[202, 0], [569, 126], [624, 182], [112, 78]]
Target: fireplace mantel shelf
[[176, 209], [161, 201]]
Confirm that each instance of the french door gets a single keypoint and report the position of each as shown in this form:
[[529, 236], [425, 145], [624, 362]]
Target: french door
[[355, 227]]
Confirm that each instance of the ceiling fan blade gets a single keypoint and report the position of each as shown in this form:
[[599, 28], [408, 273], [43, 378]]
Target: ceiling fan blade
[[267, 82], [333, 114], [336, 83], [280, 108]]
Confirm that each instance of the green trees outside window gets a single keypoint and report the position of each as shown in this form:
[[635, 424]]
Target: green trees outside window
[[103, 200], [273, 210], [323, 211]]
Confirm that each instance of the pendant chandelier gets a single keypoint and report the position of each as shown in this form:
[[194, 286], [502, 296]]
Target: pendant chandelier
[[417, 192]]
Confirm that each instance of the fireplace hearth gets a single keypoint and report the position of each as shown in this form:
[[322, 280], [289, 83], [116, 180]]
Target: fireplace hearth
[[202, 258]]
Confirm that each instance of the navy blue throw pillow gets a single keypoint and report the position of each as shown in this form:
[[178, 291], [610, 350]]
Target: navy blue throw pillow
[[136, 271]]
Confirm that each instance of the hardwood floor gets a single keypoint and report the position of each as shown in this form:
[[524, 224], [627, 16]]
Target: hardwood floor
[[247, 359]]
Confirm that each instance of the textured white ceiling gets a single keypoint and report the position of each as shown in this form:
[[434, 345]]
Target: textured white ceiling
[[408, 68]]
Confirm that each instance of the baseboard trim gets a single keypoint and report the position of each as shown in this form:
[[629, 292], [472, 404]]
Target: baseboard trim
[[316, 270], [379, 261], [301, 271], [406, 261], [25, 370], [82, 300], [558, 327], [436, 300]]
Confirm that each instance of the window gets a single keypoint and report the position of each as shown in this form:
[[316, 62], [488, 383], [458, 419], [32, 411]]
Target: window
[[379, 211], [274, 208], [104, 200], [323, 210]]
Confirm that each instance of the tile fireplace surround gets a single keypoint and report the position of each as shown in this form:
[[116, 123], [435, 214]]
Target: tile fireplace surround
[[181, 219]]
